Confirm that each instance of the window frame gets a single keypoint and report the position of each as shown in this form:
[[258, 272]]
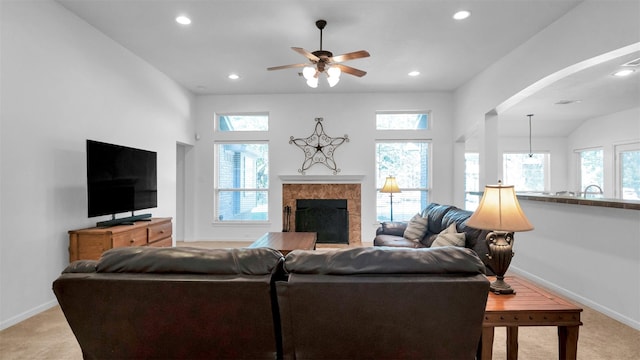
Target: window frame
[[239, 137], [618, 150], [427, 190], [578, 166], [546, 168], [428, 113], [476, 194], [216, 123]]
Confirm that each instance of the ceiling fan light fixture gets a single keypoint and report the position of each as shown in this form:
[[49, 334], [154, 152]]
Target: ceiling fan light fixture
[[333, 75], [313, 82], [323, 61], [333, 80], [309, 72], [334, 71]]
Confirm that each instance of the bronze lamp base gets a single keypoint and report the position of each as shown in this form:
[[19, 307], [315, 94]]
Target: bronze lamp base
[[500, 244]]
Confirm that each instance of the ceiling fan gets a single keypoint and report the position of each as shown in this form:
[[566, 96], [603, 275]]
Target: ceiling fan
[[324, 61]]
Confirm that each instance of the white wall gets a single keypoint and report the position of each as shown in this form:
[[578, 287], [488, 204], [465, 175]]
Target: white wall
[[293, 115], [64, 82], [587, 253]]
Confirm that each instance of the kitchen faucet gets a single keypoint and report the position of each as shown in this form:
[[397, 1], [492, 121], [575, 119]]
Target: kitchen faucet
[[586, 190]]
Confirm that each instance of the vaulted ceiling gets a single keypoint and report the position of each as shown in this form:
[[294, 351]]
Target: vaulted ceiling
[[246, 37]]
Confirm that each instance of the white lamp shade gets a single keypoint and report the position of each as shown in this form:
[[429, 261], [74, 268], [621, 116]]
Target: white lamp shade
[[499, 210], [333, 75], [333, 80], [334, 71], [313, 82], [390, 185], [309, 72]]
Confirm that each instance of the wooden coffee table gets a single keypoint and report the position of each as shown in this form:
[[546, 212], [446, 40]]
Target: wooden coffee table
[[529, 306], [285, 242]]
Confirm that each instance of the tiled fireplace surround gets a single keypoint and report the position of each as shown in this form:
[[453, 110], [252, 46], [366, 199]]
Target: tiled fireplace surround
[[349, 191]]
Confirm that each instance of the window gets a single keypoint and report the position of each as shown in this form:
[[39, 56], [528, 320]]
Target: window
[[409, 162], [628, 170], [591, 171], [471, 181], [527, 173], [241, 186], [239, 122], [402, 121]]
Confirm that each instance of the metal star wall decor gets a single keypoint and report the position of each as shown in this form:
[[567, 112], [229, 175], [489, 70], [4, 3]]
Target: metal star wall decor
[[319, 148]]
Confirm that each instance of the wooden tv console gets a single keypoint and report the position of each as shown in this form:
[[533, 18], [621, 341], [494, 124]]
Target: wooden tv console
[[89, 244]]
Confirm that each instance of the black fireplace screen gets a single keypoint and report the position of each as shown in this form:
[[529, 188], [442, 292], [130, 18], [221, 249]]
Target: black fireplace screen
[[329, 218]]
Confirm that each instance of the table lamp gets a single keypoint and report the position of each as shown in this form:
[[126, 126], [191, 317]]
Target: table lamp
[[391, 187], [500, 212]]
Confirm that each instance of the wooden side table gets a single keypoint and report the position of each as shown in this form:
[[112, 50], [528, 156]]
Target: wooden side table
[[529, 306]]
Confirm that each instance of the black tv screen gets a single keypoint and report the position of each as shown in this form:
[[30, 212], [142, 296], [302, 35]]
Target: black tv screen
[[120, 179]]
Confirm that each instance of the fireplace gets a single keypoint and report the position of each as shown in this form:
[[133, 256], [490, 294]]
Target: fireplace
[[329, 218], [330, 191]]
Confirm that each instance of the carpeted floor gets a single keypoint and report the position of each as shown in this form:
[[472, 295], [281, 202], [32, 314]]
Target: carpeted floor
[[48, 336]]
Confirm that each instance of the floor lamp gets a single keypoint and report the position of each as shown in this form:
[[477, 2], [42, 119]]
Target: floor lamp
[[500, 212], [390, 187]]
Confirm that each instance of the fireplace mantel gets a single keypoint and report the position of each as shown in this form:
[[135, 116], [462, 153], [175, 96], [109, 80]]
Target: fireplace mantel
[[321, 179]]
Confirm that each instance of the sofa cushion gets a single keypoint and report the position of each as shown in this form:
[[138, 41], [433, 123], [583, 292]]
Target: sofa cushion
[[392, 228], [449, 237], [416, 228], [395, 241], [185, 260], [457, 216], [384, 260], [436, 213]]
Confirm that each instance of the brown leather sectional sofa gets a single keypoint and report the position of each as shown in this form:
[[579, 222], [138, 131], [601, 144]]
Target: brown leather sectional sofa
[[439, 217], [356, 303]]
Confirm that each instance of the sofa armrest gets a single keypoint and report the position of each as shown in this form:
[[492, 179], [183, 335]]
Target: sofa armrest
[[392, 228], [81, 266]]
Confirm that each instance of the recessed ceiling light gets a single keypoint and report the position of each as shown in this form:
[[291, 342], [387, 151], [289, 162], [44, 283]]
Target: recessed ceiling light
[[414, 73], [183, 20], [623, 72], [461, 15], [567, 102], [234, 76]]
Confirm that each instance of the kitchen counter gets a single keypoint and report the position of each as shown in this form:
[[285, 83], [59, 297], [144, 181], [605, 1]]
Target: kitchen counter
[[610, 203]]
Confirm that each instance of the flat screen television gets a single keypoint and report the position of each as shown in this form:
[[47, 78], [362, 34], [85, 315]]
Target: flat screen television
[[120, 179]]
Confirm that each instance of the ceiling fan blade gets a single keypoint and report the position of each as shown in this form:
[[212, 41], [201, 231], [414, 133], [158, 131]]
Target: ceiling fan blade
[[306, 54], [350, 56], [350, 70], [286, 66]]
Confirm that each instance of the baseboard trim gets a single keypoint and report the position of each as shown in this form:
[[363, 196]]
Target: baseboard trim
[[27, 314], [578, 298]]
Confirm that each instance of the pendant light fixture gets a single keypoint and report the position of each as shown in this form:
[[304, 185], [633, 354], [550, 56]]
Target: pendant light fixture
[[530, 150]]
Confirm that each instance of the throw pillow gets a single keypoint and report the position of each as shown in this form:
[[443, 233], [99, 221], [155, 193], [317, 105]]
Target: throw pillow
[[449, 237], [416, 228]]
